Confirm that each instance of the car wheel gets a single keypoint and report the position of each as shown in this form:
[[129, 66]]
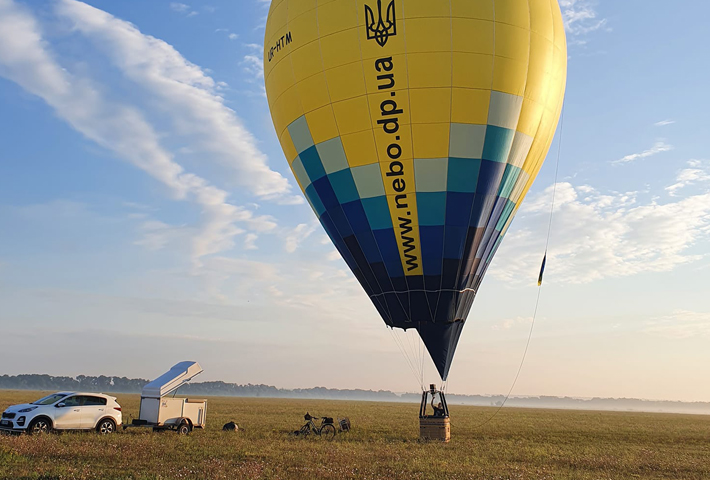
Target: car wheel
[[106, 427], [39, 426], [183, 429]]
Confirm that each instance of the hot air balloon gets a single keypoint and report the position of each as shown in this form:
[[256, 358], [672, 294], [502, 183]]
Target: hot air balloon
[[415, 128]]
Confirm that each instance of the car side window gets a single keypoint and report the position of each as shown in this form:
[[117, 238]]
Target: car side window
[[73, 401], [94, 401]]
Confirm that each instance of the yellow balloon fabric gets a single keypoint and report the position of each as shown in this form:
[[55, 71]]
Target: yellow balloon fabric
[[415, 128]]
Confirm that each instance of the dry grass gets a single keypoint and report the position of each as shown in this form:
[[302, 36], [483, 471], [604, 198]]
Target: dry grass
[[518, 444]]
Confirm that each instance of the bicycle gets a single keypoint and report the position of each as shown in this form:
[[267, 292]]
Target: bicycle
[[326, 429]]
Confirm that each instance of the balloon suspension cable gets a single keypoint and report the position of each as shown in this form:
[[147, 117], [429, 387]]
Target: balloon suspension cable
[[421, 360], [414, 349], [554, 186], [539, 288], [412, 363]]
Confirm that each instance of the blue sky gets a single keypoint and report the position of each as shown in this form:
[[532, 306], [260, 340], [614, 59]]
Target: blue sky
[[147, 214]]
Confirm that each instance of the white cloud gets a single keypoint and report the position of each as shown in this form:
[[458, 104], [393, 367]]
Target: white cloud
[[663, 123], [122, 129], [117, 127], [659, 147], [157, 235], [699, 172], [275, 291], [231, 280], [250, 241], [581, 16], [294, 237], [249, 270], [253, 66], [233, 36], [333, 255], [183, 8], [185, 91], [179, 7], [680, 324], [597, 236], [511, 323]]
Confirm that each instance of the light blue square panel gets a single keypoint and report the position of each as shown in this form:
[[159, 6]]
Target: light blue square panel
[[300, 134], [300, 172], [332, 155], [504, 110], [430, 174], [368, 180], [466, 140], [520, 149]]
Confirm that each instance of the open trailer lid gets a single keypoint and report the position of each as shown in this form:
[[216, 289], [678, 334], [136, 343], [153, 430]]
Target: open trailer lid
[[173, 379]]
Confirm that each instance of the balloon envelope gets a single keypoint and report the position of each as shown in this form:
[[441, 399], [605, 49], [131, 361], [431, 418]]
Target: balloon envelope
[[415, 128]]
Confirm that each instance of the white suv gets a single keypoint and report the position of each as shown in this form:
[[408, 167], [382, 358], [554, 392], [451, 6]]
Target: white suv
[[64, 411]]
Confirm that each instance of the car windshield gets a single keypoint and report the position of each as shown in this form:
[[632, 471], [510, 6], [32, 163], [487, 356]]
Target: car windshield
[[50, 399]]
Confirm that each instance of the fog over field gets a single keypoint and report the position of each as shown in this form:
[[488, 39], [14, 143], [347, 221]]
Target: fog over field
[[218, 388]]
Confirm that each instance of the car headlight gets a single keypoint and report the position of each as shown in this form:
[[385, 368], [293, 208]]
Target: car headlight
[[28, 409]]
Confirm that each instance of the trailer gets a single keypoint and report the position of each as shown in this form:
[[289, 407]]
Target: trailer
[[160, 411]]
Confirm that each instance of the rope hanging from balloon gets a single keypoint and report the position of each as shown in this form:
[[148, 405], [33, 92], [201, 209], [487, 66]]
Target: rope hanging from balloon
[[412, 352], [540, 278]]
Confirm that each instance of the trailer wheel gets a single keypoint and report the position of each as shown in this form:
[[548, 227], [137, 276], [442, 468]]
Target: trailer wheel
[[184, 428]]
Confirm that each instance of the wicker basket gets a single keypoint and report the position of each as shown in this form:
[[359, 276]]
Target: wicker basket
[[435, 428]]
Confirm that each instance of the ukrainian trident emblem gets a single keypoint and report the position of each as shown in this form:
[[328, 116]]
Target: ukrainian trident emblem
[[383, 28]]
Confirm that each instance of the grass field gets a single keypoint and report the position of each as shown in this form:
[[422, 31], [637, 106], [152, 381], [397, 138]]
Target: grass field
[[518, 444]]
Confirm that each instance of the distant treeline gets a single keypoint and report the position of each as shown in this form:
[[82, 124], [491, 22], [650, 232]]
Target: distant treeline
[[82, 383], [134, 385]]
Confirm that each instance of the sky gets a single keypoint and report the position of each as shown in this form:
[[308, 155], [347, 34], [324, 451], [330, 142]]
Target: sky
[[148, 216]]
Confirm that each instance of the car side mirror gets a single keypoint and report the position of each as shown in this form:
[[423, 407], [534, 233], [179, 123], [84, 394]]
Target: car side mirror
[[61, 404]]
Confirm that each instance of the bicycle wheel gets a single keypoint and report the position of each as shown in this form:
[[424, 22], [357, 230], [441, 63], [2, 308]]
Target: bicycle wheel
[[327, 431], [305, 431]]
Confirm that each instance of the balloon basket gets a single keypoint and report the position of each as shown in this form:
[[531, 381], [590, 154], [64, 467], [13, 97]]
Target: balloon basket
[[436, 426], [435, 429]]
